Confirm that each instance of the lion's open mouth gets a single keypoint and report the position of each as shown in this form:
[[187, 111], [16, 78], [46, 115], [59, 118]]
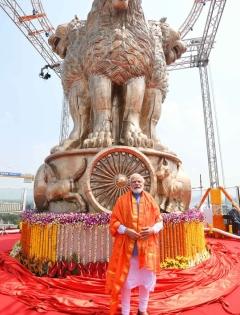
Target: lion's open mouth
[[120, 4]]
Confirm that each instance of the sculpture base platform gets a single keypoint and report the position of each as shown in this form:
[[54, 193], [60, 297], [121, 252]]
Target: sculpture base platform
[[91, 180]]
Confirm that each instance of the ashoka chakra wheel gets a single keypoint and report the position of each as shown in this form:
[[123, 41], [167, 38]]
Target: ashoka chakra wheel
[[110, 172]]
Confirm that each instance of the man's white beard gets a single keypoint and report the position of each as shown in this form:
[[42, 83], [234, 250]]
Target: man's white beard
[[137, 190]]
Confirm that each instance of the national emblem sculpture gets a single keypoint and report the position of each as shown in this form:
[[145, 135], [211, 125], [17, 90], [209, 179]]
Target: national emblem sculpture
[[114, 78]]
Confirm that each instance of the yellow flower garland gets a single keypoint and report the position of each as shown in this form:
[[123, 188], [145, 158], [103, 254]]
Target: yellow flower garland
[[48, 242]]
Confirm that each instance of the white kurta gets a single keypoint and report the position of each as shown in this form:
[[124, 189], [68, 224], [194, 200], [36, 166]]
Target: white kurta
[[139, 277]]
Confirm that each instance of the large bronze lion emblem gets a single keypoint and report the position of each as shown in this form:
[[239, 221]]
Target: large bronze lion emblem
[[114, 74]]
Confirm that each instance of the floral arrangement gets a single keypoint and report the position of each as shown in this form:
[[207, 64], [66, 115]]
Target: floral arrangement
[[102, 218], [179, 262], [190, 215], [87, 219], [62, 268], [16, 250], [62, 244]]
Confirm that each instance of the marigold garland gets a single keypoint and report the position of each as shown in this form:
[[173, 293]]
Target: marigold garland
[[49, 238]]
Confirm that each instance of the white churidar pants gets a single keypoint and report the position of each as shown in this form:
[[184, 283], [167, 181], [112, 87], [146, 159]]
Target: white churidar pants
[[142, 278]]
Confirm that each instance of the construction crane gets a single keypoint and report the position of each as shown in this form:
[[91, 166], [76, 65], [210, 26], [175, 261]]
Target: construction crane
[[191, 19], [36, 27], [197, 55]]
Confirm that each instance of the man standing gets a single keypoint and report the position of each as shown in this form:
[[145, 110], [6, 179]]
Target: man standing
[[235, 216], [135, 223]]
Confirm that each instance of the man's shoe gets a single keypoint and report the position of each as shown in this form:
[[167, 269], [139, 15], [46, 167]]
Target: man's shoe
[[142, 313]]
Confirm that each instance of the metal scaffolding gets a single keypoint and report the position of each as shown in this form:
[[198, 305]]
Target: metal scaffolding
[[29, 24], [209, 128], [197, 55]]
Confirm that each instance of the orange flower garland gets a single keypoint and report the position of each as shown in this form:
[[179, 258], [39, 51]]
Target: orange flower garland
[[181, 242]]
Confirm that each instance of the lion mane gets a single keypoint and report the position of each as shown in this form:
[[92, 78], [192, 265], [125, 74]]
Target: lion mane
[[107, 48]]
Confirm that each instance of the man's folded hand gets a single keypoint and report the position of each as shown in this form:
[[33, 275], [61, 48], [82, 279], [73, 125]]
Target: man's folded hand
[[132, 234]]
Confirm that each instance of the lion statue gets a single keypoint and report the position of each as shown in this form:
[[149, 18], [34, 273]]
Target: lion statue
[[114, 74]]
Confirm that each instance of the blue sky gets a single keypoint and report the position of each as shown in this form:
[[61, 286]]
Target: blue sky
[[30, 108]]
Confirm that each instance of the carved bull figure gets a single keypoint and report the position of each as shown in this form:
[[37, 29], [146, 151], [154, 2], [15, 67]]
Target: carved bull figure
[[174, 188]]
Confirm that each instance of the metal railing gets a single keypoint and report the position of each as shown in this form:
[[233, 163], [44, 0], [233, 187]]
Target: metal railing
[[11, 207]]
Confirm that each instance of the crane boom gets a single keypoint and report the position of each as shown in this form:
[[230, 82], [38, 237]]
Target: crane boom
[[198, 49], [27, 24], [192, 18], [211, 27]]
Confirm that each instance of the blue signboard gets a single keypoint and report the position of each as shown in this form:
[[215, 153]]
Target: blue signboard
[[10, 174]]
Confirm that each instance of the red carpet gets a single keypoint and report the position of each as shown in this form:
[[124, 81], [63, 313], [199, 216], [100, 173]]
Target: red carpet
[[212, 287], [7, 241]]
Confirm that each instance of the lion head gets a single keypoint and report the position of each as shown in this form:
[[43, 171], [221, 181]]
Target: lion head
[[64, 36], [173, 47]]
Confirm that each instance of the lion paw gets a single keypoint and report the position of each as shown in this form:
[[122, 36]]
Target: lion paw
[[98, 140], [137, 139]]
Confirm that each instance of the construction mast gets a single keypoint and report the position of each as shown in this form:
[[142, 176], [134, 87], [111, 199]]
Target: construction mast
[[197, 55]]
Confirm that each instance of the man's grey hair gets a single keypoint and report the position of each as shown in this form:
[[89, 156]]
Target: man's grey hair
[[136, 176]]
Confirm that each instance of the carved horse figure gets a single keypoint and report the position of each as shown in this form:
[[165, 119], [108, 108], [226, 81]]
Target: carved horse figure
[[49, 187]]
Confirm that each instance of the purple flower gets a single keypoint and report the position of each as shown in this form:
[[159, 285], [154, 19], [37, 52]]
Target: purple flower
[[102, 218], [89, 220], [190, 215]]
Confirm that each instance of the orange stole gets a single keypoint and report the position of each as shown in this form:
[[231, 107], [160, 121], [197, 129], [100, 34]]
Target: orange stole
[[133, 216]]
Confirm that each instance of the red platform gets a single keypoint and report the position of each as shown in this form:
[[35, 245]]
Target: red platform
[[212, 287]]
